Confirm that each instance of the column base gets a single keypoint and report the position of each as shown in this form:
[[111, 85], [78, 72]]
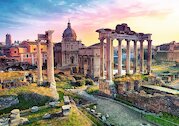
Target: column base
[[53, 88]]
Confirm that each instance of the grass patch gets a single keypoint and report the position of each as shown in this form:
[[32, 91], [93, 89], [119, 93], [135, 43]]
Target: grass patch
[[164, 120], [75, 118], [92, 89], [91, 117]]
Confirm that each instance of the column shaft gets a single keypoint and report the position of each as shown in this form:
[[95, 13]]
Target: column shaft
[[141, 57], [135, 58], [50, 63], [108, 61], [102, 58], [39, 62], [149, 57], [128, 57], [120, 57]]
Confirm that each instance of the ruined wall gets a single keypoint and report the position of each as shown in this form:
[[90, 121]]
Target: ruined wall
[[154, 103]]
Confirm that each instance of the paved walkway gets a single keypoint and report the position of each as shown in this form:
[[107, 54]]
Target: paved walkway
[[119, 115]]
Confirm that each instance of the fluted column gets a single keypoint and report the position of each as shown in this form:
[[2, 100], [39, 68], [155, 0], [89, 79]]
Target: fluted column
[[108, 61], [102, 58], [120, 57], [141, 57], [135, 57], [39, 63], [50, 59], [149, 57], [128, 57]]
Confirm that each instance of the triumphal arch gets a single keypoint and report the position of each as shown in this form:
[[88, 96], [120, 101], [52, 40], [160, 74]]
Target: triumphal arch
[[122, 32]]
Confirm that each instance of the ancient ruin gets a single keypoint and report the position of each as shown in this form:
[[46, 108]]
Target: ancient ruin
[[122, 32], [50, 61]]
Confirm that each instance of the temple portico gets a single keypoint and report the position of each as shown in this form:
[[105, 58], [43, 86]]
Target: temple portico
[[123, 33]]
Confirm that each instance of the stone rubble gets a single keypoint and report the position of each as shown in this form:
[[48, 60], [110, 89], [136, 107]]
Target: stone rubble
[[34, 109]]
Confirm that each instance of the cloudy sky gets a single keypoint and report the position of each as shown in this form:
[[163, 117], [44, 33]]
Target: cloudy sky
[[24, 19]]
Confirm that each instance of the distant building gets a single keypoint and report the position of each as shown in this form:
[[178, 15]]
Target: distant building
[[8, 40], [89, 60], [168, 52], [66, 52], [26, 52]]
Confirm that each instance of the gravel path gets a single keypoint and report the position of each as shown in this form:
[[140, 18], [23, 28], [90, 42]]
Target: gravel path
[[119, 115]]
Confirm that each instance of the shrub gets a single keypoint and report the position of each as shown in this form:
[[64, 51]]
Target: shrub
[[79, 83], [89, 82], [78, 77], [93, 89]]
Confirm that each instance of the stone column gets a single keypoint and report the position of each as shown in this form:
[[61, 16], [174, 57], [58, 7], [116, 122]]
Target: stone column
[[102, 58], [50, 65], [149, 57], [120, 57], [39, 63], [135, 57], [108, 60], [128, 57], [141, 57], [50, 59]]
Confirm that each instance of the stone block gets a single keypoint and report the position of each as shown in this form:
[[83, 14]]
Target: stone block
[[34, 109], [47, 116]]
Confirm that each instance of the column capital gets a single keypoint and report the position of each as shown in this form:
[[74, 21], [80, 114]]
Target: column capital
[[149, 40], [102, 38], [141, 41], [119, 39], [127, 40]]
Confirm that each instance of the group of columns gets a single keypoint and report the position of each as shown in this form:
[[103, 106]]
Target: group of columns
[[109, 60], [50, 58], [89, 63]]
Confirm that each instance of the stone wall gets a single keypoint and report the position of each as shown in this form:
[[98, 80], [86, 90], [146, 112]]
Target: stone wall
[[154, 103], [8, 101]]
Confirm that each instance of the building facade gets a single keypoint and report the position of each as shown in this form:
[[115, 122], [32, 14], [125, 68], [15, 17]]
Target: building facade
[[66, 52], [168, 52]]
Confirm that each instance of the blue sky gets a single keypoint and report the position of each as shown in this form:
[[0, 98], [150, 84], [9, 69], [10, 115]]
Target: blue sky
[[24, 19]]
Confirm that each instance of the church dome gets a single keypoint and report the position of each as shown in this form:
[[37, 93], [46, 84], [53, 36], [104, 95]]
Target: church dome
[[69, 34]]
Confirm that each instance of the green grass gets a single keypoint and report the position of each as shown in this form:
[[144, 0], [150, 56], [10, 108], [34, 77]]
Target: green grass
[[91, 117], [75, 118], [92, 89], [28, 96], [165, 120]]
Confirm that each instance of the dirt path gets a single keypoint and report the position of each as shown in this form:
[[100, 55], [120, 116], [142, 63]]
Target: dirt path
[[119, 115]]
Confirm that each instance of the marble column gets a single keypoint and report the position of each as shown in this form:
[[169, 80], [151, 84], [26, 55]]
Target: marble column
[[39, 63], [108, 60], [149, 57], [50, 59], [128, 57], [120, 57], [102, 58], [141, 57], [82, 62], [135, 57]]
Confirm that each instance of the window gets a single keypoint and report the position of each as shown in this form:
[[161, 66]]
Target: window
[[14, 51], [27, 55], [34, 49]]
